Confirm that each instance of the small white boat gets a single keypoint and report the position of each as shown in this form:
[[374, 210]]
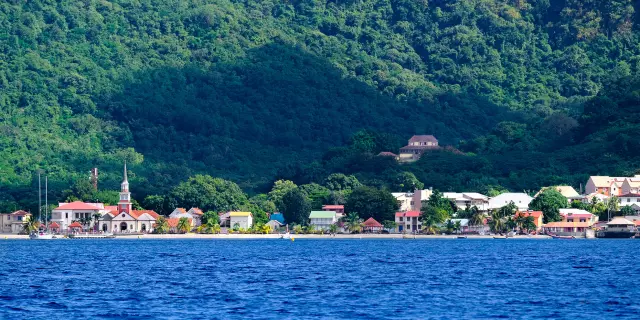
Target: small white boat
[[41, 235], [285, 236]]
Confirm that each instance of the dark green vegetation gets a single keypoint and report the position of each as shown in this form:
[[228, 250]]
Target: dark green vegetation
[[532, 93]]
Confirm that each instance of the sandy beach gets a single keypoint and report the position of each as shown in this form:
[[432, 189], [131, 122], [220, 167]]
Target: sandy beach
[[277, 236]]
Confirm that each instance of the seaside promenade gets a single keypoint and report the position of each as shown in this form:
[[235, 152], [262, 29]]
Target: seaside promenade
[[294, 236]]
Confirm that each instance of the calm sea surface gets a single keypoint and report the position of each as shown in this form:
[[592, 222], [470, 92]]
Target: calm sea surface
[[330, 279]]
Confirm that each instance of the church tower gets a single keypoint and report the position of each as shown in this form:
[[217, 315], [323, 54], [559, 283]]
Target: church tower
[[124, 205]]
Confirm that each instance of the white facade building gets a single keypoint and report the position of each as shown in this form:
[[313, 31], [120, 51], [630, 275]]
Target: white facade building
[[322, 220], [468, 199], [521, 200], [240, 220], [405, 200]]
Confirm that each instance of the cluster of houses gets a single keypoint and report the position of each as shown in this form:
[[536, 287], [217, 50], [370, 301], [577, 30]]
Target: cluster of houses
[[121, 218]]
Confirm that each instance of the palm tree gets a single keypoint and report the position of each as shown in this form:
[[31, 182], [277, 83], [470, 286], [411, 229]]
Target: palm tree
[[528, 224], [162, 226], [30, 225], [297, 229], [96, 217], [265, 229], [477, 219], [497, 224], [183, 225], [333, 228], [310, 229], [457, 226]]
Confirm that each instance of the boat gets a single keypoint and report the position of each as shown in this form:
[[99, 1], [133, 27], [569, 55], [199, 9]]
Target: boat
[[461, 237], [500, 237], [562, 237], [40, 235]]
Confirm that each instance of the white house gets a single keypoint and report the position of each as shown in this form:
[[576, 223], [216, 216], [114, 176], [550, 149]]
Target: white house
[[321, 220], [405, 200], [468, 199], [629, 199], [240, 220], [66, 213], [521, 200]]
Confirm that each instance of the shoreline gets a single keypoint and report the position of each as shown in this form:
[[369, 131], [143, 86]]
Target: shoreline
[[294, 236]]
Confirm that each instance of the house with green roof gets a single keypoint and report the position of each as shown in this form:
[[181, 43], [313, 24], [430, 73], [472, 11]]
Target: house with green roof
[[321, 220]]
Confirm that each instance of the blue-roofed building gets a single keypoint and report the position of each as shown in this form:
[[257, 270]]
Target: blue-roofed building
[[277, 216]]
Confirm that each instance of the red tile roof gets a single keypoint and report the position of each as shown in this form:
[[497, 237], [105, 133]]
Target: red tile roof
[[76, 205], [333, 206], [20, 213], [372, 223], [196, 211], [75, 225], [54, 225], [630, 195], [137, 213], [423, 138], [535, 214], [173, 222], [387, 154], [412, 214], [181, 210], [408, 214]]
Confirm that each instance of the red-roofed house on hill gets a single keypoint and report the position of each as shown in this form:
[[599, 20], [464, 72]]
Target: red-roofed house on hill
[[416, 147], [338, 208]]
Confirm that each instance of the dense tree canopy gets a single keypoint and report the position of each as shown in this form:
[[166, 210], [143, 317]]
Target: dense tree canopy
[[529, 92]]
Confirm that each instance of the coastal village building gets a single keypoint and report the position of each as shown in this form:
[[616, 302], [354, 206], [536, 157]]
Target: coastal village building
[[173, 224], [537, 217], [418, 197], [408, 221], [575, 222], [13, 222], [612, 186], [388, 154], [468, 199], [337, 208], [322, 220], [372, 226], [521, 200], [194, 214], [122, 218], [416, 147], [405, 200], [84, 213], [240, 220]]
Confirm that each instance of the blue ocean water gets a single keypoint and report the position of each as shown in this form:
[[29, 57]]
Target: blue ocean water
[[327, 279]]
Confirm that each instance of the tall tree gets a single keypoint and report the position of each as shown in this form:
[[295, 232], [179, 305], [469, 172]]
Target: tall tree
[[549, 201], [370, 202], [296, 207], [209, 194]]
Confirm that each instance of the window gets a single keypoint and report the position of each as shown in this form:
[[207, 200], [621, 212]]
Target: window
[[583, 220], [400, 219], [77, 215], [628, 199], [569, 220], [66, 215]]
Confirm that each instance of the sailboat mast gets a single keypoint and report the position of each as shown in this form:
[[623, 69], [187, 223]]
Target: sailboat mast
[[46, 199], [39, 197]]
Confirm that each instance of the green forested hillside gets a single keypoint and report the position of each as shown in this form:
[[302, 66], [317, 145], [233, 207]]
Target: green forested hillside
[[255, 90]]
